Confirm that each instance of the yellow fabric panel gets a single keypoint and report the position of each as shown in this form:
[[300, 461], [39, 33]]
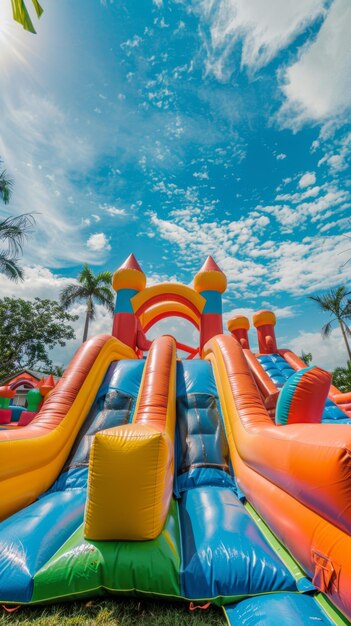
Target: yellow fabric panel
[[128, 278], [168, 289], [261, 318], [239, 322], [130, 484], [30, 466], [167, 307], [210, 281]]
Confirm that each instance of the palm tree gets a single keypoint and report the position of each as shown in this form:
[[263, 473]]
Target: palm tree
[[21, 15], [306, 357], [90, 288], [13, 232], [336, 303]]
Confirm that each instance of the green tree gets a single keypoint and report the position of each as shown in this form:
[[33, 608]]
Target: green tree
[[21, 15], [338, 305], [306, 357], [342, 378], [91, 289], [13, 232], [28, 330]]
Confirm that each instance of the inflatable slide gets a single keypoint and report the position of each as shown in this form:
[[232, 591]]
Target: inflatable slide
[[146, 474]]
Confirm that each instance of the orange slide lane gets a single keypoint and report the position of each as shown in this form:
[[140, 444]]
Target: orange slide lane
[[310, 464], [310, 461], [30, 458], [156, 402]]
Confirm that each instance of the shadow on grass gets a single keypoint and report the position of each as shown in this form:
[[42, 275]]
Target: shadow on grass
[[121, 612]]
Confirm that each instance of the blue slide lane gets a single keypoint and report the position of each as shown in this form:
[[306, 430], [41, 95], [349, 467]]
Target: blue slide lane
[[285, 609], [279, 371], [224, 553], [29, 538]]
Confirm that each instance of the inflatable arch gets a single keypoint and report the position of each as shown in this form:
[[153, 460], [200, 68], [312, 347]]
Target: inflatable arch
[[139, 307]]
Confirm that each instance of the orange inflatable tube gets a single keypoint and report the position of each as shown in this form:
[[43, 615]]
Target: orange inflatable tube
[[298, 476]]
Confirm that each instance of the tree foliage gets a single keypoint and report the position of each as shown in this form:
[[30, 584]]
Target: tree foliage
[[342, 378], [306, 357], [91, 289], [28, 330]]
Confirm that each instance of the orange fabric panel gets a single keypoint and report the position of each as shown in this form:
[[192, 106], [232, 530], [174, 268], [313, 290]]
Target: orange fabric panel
[[157, 392], [310, 461], [264, 383], [323, 550], [64, 394], [293, 360]]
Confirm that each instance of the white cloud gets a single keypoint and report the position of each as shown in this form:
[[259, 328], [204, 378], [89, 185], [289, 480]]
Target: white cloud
[[98, 242], [264, 28], [201, 175], [328, 353], [281, 156], [112, 210], [312, 265], [336, 162], [317, 87], [307, 180]]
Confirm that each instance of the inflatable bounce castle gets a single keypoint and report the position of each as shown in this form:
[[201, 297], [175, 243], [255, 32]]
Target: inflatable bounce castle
[[221, 478]]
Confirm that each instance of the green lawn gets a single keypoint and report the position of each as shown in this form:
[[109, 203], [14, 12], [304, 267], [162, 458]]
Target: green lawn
[[113, 612]]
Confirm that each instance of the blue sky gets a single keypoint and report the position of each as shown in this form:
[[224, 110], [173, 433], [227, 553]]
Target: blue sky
[[178, 129]]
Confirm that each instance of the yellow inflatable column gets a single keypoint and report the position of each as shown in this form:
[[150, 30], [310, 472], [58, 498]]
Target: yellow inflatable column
[[131, 467]]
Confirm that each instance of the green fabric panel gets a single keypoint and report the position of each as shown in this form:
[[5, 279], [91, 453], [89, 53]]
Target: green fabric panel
[[82, 568]]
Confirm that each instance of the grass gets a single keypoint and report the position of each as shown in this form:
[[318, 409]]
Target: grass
[[113, 613]]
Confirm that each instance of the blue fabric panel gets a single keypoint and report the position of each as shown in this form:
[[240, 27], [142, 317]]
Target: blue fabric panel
[[204, 476], [213, 302], [30, 537], [332, 413], [73, 478], [276, 367], [286, 396], [123, 304], [125, 378], [195, 377], [16, 412], [224, 553], [284, 609], [345, 420], [201, 434]]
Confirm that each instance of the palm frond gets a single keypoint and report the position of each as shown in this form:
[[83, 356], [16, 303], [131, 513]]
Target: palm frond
[[72, 294], [87, 278], [6, 186], [326, 330], [104, 296], [21, 15], [14, 230], [104, 278], [10, 268]]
